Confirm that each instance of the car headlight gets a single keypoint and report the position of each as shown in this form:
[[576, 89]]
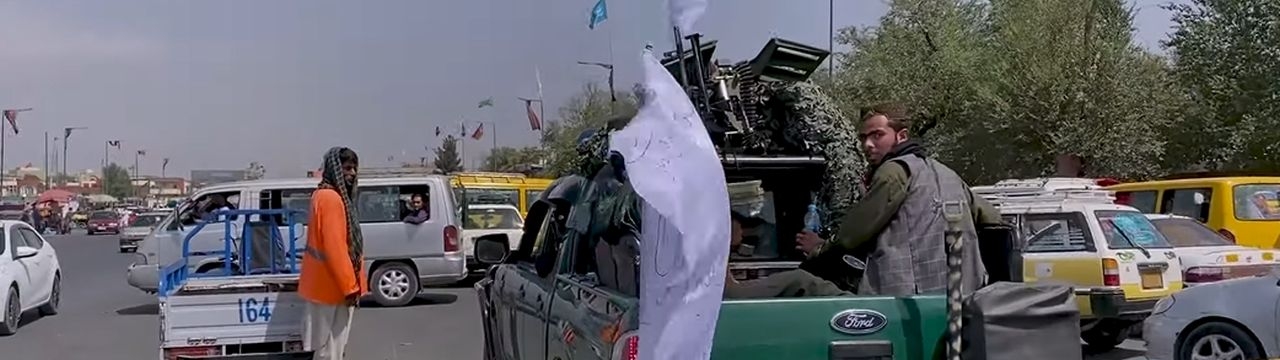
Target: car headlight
[[1163, 305]]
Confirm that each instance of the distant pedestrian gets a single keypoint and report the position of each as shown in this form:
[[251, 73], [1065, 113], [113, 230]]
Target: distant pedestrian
[[333, 276]]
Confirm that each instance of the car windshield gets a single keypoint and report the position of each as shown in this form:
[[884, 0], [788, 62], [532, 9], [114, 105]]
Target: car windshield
[[147, 220], [1257, 202], [102, 215], [1188, 233], [494, 218], [1129, 230]]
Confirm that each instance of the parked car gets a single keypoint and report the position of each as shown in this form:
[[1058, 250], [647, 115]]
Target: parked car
[[1243, 207], [138, 229], [104, 221], [484, 220], [1208, 256], [1231, 319], [30, 274]]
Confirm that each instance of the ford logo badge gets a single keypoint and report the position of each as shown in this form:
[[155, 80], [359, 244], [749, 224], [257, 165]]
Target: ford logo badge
[[859, 322]]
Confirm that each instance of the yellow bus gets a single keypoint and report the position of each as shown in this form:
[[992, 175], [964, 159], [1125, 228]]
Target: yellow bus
[[499, 188]]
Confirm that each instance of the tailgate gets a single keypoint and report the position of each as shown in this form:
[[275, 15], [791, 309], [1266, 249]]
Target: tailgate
[[834, 328], [236, 317]]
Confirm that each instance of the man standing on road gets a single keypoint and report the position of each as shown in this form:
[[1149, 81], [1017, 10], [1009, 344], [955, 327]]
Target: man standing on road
[[333, 276], [901, 214]]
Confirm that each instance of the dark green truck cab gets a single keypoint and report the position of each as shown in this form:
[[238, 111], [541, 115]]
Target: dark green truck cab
[[560, 297]]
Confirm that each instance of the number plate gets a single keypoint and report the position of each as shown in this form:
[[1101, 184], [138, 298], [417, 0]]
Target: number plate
[[102, 228], [254, 310], [1152, 280]]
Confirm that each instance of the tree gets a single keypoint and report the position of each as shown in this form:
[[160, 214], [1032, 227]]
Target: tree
[[510, 159], [116, 181], [1227, 55], [254, 171], [447, 159], [591, 109]]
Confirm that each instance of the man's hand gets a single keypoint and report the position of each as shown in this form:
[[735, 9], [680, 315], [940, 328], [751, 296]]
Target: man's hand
[[353, 298], [809, 243]]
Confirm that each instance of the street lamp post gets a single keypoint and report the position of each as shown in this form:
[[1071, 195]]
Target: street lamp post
[[66, 139], [613, 97]]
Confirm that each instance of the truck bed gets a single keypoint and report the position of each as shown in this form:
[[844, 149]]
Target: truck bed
[[232, 311]]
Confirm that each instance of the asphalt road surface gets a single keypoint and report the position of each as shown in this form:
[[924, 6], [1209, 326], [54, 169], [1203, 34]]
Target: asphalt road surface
[[102, 317]]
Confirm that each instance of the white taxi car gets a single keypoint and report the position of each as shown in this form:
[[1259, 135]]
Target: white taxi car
[[1207, 256], [30, 274], [486, 219]]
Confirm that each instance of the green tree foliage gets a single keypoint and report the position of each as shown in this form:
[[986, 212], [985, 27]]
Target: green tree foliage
[[1227, 55], [447, 159], [510, 159], [588, 110], [1001, 88], [117, 181]]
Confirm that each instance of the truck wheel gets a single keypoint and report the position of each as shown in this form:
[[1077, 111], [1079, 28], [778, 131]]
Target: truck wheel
[[1106, 335], [55, 296], [1217, 340], [12, 313], [394, 284]]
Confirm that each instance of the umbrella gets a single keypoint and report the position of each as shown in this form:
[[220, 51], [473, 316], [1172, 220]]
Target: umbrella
[[58, 195]]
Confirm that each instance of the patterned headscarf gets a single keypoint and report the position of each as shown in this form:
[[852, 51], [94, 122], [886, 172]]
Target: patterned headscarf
[[331, 177]]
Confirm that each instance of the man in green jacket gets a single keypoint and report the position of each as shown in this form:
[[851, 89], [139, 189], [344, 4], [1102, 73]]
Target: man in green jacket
[[900, 218]]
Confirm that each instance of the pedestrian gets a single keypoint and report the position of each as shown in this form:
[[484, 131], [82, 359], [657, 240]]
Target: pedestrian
[[900, 217], [333, 274], [419, 211]]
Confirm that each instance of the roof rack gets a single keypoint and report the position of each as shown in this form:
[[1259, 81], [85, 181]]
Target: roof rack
[[1045, 191]]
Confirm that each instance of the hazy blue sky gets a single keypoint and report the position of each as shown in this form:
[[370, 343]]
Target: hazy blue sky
[[217, 84]]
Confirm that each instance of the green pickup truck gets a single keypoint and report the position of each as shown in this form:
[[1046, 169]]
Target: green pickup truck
[[570, 291]]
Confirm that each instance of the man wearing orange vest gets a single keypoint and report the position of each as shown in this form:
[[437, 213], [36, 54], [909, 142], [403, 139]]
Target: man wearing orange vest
[[333, 276]]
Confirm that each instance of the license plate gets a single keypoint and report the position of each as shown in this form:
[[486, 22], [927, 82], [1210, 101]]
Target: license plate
[[102, 228], [1152, 280]]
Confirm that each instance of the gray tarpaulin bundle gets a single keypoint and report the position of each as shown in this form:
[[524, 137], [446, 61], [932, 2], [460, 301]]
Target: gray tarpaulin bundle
[[1019, 321]]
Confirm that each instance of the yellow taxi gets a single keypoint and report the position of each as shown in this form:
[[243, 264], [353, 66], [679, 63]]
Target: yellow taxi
[[1072, 232], [1244, 209], [499, 188]]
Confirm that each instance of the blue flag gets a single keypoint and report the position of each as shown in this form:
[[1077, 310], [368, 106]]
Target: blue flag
[[599, 14]]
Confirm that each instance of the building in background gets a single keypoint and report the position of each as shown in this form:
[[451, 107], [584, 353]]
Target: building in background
[[201, 178]]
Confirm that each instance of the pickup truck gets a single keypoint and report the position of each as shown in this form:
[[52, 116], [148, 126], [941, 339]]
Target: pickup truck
[[570, 291], [249, 309]]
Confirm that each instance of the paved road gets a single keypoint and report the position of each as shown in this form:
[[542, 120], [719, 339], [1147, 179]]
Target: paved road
[[102, 317]]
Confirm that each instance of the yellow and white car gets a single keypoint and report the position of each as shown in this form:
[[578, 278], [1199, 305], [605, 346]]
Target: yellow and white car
[[1207, 255], [1072, 232]]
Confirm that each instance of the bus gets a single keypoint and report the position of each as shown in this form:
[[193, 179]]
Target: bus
[[499, 188]]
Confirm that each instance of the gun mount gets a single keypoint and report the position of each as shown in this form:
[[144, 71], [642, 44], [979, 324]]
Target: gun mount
[[739, 102]]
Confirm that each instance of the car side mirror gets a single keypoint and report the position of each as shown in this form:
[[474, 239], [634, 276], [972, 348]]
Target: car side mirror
[[24, 252], [492, 249]]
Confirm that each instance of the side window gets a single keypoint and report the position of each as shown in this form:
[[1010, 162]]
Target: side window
[[15, 239], [1056, 232], [292, 199], [406, 200], [1193, 203], [1144, 201], [530, 197], [33, 240], [207, 203], [379, 204], [540, 246]]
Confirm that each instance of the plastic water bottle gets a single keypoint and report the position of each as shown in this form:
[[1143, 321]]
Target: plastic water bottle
[[813, 220]]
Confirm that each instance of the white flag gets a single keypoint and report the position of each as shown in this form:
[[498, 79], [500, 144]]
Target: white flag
[[684, 240], [686, 12]]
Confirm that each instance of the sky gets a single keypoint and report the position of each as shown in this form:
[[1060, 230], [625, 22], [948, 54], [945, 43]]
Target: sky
[[219, 84]]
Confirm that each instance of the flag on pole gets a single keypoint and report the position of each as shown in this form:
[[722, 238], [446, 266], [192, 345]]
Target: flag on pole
[[673, 167], [479, 132], [599, 14], [485, 103], [437, 131], [12, 117], [114, 143], [534, 122], [165, 163], [464, 130], [537, 74], [684, 13]]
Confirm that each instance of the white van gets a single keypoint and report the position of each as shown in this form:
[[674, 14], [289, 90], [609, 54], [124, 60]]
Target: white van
[[401, 257]]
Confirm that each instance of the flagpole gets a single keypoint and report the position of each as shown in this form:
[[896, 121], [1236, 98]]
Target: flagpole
[[4, 172], [462, 150], [46, 160]]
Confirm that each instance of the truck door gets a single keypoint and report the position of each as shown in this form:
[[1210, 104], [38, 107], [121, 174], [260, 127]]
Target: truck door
[[595, 288], [525, 288]]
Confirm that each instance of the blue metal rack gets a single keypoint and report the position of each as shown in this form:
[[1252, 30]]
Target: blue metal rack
[[173, 276]]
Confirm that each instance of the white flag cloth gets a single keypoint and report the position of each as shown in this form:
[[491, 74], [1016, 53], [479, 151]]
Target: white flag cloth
[[684, 240], [686, 12]]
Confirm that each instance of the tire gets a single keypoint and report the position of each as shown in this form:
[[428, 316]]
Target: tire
[[90, 233], [394, 284], [12, 313], [1106, 335], [50, 308], [1229, 339]]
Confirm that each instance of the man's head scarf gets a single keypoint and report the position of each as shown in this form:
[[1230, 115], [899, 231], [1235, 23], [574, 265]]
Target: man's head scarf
[[331, 175]]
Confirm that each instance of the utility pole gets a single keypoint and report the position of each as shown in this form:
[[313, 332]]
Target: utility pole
[[46, 160], [137, 170], [613, 97], [66, 139]]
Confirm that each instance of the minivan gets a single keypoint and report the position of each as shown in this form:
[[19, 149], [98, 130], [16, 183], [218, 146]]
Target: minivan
[[401, 257]]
